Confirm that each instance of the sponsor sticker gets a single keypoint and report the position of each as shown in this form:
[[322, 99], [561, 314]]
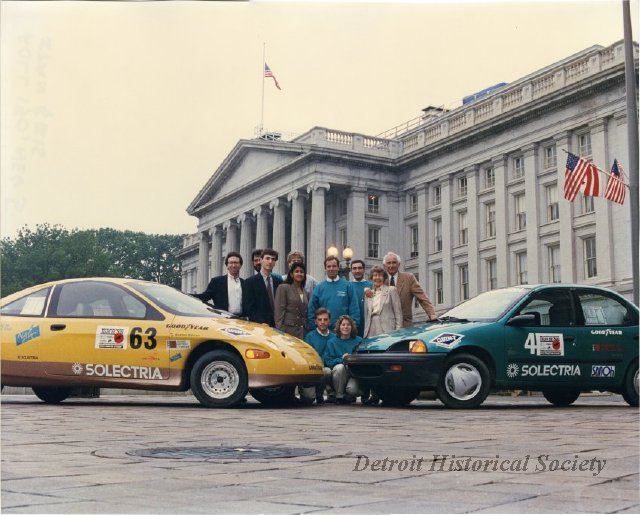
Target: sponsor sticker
[[28, 334], [235, 331], [447, 339], [120, 371], [175, 357], [608, 347], [607, 332], [545, 344], [110, 337], [603, 370], [179, 344], [513, 370]]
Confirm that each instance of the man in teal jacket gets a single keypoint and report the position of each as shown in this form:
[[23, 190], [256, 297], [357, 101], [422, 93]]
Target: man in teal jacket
[[334, 293]]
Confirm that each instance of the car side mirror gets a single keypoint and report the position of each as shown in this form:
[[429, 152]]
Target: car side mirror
[[522, 320]]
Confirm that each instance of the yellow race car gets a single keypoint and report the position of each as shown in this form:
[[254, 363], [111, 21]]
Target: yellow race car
[[126, 333]]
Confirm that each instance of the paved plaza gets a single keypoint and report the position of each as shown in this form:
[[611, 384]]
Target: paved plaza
[[166, 454]]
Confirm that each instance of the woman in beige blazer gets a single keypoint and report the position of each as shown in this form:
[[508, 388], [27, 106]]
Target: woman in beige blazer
[[382, 310], [291, 303]]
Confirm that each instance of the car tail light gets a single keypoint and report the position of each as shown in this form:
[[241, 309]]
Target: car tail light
[[417, 346], [256, 354]]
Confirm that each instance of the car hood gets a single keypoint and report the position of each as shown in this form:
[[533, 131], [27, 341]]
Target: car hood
[[437, 335]]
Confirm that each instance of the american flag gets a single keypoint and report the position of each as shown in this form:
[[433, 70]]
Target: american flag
[[269, 73], [577, 173], [615, 185]]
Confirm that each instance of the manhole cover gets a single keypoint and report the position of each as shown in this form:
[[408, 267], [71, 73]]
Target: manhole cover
[[213, 453]]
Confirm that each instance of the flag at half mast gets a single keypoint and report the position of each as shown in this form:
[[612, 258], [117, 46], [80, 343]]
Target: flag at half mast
[[615, 185], [269, 73]]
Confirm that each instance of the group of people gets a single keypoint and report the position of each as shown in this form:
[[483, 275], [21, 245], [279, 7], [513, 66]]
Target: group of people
[[308, 309]]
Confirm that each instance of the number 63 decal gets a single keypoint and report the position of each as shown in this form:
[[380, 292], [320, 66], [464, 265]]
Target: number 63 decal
[[136, 340]]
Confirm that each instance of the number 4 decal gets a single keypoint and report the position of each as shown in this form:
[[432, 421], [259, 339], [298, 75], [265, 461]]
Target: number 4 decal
[[135, 338]]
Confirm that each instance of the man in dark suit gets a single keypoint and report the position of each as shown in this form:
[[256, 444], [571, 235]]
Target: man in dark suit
[[259, 291], [226, 290]]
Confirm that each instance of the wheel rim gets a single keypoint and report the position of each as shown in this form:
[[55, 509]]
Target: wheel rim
[[219, 379], [463, 381], [635, 381]]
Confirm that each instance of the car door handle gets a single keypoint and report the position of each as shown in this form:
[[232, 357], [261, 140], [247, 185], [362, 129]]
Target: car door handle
[[569, 338], [58, 327]]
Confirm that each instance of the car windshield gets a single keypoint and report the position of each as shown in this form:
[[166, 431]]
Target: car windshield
[[487, 306], [177, 302]]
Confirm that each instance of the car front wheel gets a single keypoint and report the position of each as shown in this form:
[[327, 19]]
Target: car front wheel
[[51, 395], [630, 389], [561, 397], [464, 382], [219, 379]]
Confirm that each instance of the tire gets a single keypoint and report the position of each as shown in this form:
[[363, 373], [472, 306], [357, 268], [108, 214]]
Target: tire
[[397, 396], [630, 388], [275, 395], [561, 397], [219, 379], [51, 395], [464, 383]]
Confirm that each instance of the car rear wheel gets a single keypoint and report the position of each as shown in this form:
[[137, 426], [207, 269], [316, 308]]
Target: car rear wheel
[[397, 396], [464, 383], [561, 397], [51, 395], [275, 395], [219, 379], [630, 389]]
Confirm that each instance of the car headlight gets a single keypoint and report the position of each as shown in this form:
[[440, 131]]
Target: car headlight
[[256, 354], [417, 346]]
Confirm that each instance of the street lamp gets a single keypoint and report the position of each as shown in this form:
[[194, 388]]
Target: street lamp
[[347, 254]]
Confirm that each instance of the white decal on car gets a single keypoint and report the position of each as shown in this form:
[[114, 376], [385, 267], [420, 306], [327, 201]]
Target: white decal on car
[[545, 344], [109, 337]]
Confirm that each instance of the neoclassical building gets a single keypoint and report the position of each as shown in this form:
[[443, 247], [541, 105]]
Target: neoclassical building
[[470, 198]]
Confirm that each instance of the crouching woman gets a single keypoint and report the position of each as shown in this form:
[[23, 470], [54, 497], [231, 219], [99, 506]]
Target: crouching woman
[[339, 345]]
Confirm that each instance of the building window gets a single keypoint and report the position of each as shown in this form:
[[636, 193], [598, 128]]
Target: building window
[[490, 218], [590, 264], [373, 204], [520, 211], [584, 145], [518, 167], [554, 263], [373, 247], [437, 195], [343, 238], [489, 177], [437, 235], [437, 281], [464, 281], [553, 209], [414, 241], [550, 158], [462, 228], [492, 274], [342, 206], [462, 187], [413, 203], [521, 267], [587, 204]]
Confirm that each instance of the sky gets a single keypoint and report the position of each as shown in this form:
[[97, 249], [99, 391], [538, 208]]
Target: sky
[[115, 114]]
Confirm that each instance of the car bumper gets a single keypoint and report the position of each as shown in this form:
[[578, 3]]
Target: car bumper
[[396, 369]]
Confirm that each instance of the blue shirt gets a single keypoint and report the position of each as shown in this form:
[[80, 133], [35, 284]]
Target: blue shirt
[[318, 341], [337, 347], [338, 297]]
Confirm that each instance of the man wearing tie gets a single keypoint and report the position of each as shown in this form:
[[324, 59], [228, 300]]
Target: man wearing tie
[[408, 288], [226, 290], [259, 291]]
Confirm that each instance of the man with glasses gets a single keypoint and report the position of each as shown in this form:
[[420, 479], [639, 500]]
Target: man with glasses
[[226, 290]]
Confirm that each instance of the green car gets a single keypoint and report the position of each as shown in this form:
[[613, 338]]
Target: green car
[[560, 339]]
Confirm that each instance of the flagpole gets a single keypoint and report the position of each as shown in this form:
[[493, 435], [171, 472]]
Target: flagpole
[[632, 141], [598, 169], [262, 80]]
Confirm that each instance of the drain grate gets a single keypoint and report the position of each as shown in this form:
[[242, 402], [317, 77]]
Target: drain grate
[[216, 453]]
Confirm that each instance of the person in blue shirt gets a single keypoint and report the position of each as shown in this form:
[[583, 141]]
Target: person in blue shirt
[[318, 339], [339, 345], [334, 293], [359, 284]]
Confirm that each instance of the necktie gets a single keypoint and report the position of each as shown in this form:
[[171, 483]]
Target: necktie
[[393, 280], [270, 291]]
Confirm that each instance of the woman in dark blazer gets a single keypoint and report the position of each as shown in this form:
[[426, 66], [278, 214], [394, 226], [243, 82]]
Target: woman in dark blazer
[[292, 302]]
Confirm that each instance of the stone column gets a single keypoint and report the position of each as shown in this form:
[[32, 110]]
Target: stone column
[[231, 227], [502, 221], [603, 230], [473, 238], [423, 236], [297, 220], [565, 208], [395, 232], [279, 234], [317, 235], [216, 252], [246, 231], [447, 196], [203, 261], [532, 208], [262, 227], [356, 226]]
